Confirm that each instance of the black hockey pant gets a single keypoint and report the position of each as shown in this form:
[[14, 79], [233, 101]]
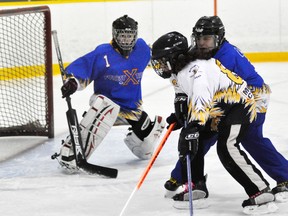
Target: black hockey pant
[[233, 159]]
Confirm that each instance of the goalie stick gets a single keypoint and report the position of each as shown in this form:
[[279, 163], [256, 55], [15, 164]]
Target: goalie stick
[[74, 130]]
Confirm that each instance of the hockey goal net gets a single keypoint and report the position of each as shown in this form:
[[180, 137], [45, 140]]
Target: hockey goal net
[[26, 91]]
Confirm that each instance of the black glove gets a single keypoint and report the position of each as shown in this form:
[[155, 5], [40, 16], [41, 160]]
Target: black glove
[[181, 107], [173, 119], [69, 88], [188, 142]]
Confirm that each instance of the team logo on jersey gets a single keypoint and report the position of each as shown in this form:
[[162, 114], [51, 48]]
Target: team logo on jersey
[[193, 70], [131, 77], [126, 78]]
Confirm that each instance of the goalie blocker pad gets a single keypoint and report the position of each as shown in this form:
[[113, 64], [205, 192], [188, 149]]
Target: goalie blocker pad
[[97, 122], [144, 149]]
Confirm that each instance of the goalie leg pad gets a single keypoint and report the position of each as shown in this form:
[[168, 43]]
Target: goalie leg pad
[[97, 122], [144, 149]]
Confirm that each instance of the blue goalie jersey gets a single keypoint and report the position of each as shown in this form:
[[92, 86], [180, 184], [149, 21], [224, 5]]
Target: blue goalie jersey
[[115, 76]]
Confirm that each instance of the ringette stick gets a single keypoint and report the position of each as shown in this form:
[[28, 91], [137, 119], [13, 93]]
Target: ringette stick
[[189, 177], [189, 184], [151, 162]]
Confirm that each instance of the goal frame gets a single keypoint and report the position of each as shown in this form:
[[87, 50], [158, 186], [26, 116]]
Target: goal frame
[[48, 70]]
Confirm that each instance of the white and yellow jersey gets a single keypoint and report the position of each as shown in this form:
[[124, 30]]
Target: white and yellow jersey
[[213, 91]]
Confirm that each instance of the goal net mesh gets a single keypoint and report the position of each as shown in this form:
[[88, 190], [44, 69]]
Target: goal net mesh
[[26, 96]]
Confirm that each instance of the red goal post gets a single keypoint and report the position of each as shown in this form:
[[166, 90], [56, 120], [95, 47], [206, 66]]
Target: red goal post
[[26, 79]]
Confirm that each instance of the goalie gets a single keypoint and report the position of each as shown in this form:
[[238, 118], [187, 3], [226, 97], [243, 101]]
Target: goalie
[[116, 69]]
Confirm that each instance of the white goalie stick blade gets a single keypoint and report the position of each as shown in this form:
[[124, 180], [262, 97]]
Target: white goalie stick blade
[[281, 197], [84, 166], [197, 204], [260, 209]]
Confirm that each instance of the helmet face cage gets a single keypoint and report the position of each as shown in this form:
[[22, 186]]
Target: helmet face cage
[[125, 33], [125, 38], [162, 67], [208, 25]]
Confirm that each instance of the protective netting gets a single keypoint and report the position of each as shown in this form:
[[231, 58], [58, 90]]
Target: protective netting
[[25, 74]]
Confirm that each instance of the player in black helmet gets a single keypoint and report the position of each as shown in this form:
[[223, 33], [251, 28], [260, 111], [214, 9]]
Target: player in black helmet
[[208, 40], [212, 93], [124, 32], [166, 56], [116, 70], [212, 26]]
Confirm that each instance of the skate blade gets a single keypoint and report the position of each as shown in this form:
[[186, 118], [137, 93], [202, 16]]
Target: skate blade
[[197, 204], [260, 209], [196, 195], [281, 197]]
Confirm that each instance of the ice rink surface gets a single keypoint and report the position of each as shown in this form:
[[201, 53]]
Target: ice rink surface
[[32, 184]]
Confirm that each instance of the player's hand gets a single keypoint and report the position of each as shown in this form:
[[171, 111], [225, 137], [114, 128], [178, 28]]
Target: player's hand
[[173, 119], [69, 87], [188, 142], [181, 107]]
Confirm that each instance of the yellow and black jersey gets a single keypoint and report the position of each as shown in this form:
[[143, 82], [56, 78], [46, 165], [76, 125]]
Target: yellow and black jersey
[[214, 92]]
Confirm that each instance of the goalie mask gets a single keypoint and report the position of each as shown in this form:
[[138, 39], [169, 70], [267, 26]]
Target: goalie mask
[[124, 32], [165, 52], [208, 33]]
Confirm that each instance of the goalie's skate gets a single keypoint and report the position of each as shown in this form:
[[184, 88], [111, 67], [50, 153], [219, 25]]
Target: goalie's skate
[[68, 168], [260, 203], [281, 192], [67, 159]]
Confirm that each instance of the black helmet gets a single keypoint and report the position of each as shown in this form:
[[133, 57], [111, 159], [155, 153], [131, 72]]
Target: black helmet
[[209, 25], [165, 52], [124, 32]]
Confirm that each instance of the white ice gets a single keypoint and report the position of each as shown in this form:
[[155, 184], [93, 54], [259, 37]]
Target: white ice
[[31, 184]]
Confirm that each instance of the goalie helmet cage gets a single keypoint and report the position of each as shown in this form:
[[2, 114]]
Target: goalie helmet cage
[[26, 79]]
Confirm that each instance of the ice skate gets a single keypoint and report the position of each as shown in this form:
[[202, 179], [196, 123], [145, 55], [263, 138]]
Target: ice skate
[[281, 192], [172, 188], [199, 197], [260, 203], [67, 158]]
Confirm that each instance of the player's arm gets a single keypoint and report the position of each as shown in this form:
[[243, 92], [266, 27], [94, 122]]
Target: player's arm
[[245, 69], [80, 73]]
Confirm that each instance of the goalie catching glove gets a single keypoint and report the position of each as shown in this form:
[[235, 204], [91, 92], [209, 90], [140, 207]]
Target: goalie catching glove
[[188, 142]]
